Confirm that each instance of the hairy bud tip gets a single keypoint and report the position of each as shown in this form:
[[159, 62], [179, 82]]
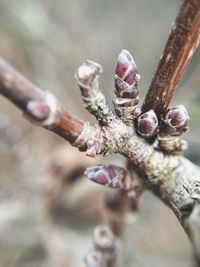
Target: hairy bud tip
[[126, 76]]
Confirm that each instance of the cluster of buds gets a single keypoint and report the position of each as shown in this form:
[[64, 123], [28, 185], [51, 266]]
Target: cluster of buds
[[172, 123], [126, 87], [127, 91]]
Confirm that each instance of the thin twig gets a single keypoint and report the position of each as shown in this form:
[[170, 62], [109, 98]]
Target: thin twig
[[39, 106]]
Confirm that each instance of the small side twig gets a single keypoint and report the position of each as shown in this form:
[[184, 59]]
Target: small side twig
[[94, 100]]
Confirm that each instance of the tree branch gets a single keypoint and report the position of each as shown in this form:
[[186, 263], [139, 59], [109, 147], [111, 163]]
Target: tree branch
[[181, 45], [172, 178], [41, 107]]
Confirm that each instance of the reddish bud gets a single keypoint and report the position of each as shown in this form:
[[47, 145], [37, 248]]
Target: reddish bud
[[126, 76], [175, 120], [112, 176], [38, 110], [147, 124]]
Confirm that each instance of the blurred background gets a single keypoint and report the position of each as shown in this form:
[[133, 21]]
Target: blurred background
[[48, 209]]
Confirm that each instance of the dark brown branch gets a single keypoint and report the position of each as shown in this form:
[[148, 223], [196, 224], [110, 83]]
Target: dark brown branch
[[68, 126], [34, 103], [181, 44]]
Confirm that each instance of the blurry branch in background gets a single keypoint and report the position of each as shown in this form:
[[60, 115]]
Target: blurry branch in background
[[160, 165], [12, 135], [107, 249], [61, 178], [55, 186]]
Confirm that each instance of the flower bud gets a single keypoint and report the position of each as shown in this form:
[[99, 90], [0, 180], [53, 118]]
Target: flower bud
[[147, 124], [175, 121], [126, 76], [112, 176]]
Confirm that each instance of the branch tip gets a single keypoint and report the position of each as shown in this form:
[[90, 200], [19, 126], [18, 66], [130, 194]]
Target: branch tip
[[87, 77], [88, 71]]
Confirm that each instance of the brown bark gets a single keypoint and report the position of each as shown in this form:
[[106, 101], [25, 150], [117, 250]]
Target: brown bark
[[181, 45], [21, 91]]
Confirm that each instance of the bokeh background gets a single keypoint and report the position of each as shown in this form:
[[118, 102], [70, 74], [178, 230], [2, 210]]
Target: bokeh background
[[47, 207]]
